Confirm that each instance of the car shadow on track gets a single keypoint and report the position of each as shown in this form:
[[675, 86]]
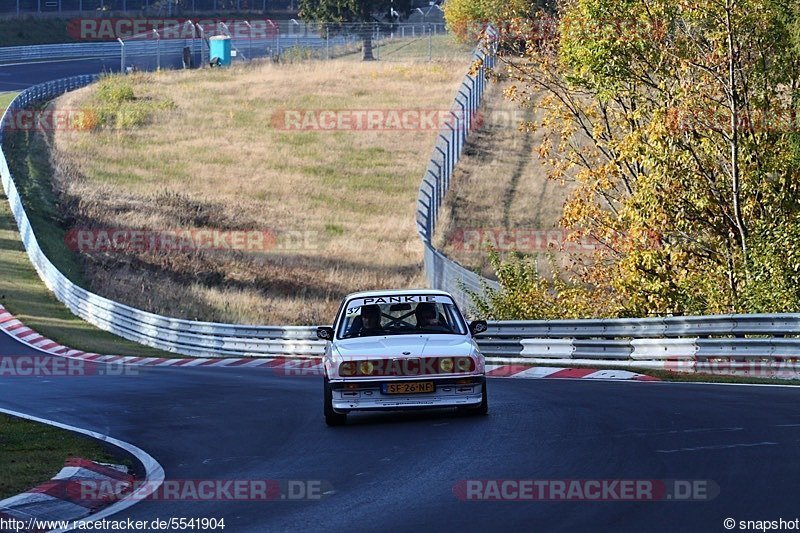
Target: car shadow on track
[[384, 418]]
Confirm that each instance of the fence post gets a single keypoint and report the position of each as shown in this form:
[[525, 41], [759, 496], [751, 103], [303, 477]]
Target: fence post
[[430, 45], [158, 50], [445, 170], [250, 40], [450, 151], [465, 114], [121, 56]]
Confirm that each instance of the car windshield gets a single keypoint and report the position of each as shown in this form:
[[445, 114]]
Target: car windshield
[[400, 315]]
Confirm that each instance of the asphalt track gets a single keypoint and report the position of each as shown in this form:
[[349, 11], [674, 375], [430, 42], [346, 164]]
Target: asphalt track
[[397, 471], [19, 76]]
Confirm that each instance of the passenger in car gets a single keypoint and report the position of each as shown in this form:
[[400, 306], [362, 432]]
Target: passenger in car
[[426, 315]]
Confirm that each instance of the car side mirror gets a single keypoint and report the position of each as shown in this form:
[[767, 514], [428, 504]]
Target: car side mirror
[[325, 333], [476, 327]]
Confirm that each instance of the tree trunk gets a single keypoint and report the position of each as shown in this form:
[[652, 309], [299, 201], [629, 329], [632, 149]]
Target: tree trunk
[[735, 108], [368, 45]]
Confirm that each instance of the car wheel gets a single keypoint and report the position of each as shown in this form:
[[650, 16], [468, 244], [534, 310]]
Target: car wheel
[[332, 418]]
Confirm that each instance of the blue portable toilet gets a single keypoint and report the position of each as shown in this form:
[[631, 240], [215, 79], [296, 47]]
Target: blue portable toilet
[[220, 47]]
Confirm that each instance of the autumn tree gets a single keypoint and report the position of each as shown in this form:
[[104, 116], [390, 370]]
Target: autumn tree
[[466, 19], [677, 123]]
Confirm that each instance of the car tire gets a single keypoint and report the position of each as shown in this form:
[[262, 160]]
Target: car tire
[[332, 418]]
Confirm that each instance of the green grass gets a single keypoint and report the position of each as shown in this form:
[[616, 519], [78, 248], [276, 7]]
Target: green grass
[[5, 99], [22, 292], [33, 453]]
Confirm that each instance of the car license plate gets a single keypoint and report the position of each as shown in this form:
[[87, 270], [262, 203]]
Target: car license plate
[[413, 387]]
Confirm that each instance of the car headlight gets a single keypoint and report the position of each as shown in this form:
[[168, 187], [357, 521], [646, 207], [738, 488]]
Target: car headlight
[[446, 365], [366, 368], [348, 368], [464, 364]]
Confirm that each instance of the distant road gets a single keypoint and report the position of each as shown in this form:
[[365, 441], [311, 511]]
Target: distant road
[[19, 76]]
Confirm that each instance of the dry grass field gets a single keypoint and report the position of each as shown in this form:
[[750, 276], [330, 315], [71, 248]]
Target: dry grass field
[[209, 152], [500, 193]]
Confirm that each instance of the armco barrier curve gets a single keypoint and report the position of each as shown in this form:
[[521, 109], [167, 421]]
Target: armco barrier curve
[[681, 343], [201, 339]]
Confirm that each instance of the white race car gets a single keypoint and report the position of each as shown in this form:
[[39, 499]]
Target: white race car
[[407, 349]]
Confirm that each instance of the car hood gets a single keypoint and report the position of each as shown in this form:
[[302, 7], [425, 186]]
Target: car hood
[[405, 346]]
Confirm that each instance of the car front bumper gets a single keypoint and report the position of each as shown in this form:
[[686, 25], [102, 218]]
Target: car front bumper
[[368, 395]]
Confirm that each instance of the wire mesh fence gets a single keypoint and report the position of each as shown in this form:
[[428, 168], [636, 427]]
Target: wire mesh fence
[[169, 7], [187, 45]]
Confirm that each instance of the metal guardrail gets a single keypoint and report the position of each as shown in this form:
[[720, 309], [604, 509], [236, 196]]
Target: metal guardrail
[[700, 338]]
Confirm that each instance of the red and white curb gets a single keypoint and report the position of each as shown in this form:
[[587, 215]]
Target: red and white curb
[[12, 326], [288, 366], [546, 372], [60, 498]]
